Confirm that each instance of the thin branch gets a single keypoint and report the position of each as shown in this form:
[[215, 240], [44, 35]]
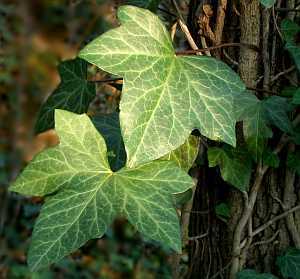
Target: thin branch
[[287, 10], [166, 12], [292, 68], [277, 218], [186, 52], [263, 242]]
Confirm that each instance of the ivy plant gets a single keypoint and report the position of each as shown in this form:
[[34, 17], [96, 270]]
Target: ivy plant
[[135, 161]]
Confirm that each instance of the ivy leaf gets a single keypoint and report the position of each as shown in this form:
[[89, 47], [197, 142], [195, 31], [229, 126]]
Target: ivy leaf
[[293, 161], [74, 93], [223, 211], [294, 51], [252, 274], [90, 195], [289, 30], [289, 263], [267, 3], [277, 109], [296, 97], [185, 155], [164, 96], [109, 128], [147, 4], [255, 128], [270, 159], [234, 164]]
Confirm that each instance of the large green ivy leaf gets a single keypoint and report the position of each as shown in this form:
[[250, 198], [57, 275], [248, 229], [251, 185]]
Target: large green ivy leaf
[[252, 274], [109, 128], [289, 263], [89, 195], [164, 96], [235, 165], [74, 93], [255, 128]]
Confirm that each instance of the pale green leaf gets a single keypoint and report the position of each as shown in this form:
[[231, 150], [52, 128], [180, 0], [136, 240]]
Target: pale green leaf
[[255, 128], [252, 274], [74, 93], [268, 3], [74, 159], [90, 195], [235, 165], [277, 109], [289, 263], [164, 96], [185, 155], [109, 127]]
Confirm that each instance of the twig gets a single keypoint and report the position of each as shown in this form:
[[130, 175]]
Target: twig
[[292, 68], [166, 12], [266, 241], [287, 10], [186, 52], [184, 28], [220, 21], [275, 219]]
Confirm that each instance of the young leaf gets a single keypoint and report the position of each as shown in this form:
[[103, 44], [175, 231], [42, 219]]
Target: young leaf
[[74, 93], [252, 274], [270, 159], [277, 109], [255, 128], [267, 3], [234, 164], [185, 155], [289, 263], [164, 96], [90, 195]]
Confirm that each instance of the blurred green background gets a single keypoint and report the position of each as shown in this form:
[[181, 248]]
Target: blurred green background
[[35, 35]]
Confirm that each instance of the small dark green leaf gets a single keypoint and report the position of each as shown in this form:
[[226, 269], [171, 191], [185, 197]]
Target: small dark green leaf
[[296, 97], [289, 263], [235, 165], [289, 30], [277, 109], [109, 127], [288, 91], [223, 211], [256, 131], [270, 159], [293, 161], [294, 51], [252, 274], [74, 93]]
